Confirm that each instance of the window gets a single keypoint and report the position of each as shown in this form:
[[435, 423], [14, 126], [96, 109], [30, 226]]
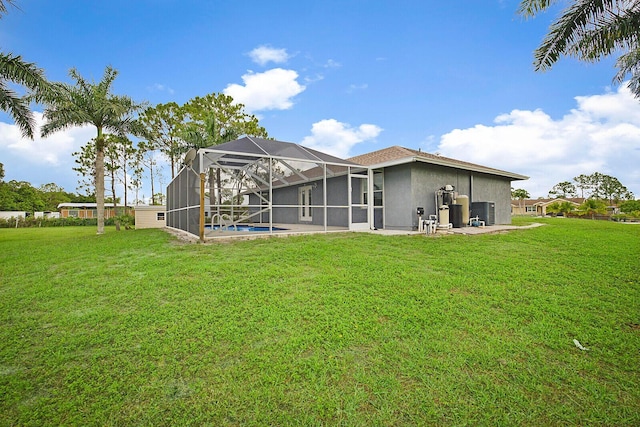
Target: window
[[73, 213], [530, 209], [160, 216], [304, 202], [377, 189]]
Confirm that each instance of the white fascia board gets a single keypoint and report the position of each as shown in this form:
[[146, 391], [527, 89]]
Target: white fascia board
[[444, 162]]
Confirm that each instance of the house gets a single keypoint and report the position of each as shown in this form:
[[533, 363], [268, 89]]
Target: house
[[46, 215], [274, 182], [538, 207], [89, 210], [13, 214], [410, 178], [151, 216]]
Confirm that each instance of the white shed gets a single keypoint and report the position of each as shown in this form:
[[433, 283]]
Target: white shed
[[152, 216]]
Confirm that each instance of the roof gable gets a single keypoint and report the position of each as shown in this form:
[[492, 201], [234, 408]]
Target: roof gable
[[397, 155]]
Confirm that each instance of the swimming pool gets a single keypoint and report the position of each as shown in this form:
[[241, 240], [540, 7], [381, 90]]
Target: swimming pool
[[251, 228]]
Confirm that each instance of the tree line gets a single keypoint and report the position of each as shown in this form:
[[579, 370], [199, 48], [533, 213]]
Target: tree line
[[599, 191], [595, 186], [112, 157], [22, 196]]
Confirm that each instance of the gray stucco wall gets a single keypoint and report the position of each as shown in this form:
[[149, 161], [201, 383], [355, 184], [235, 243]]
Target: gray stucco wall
[[489, 188], [398, 200], [336, 195], [405, 188], [409, 186], [427, 179]]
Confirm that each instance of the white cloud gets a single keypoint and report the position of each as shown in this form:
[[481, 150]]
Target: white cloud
[[602, 134], [333, 137], [42, 160], [271, 90], [50, 151], [354, 87], [157, 87], [313, 79], [262, 55], [332, 64]]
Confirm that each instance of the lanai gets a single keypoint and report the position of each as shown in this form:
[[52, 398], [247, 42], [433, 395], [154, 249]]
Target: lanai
[[223, 186]]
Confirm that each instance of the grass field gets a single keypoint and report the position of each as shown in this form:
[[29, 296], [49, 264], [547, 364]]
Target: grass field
[[136, 328]]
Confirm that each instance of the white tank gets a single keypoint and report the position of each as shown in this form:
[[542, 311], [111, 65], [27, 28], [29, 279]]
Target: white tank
[[444, 215], [464, 201]]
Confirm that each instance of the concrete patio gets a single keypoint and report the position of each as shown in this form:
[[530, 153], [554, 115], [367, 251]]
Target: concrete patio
[[297, 229]]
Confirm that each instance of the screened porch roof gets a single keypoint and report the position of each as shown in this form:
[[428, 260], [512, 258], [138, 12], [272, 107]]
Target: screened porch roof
[[256, 148]]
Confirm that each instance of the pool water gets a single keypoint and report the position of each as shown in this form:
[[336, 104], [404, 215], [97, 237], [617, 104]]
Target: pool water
[[253, 228]]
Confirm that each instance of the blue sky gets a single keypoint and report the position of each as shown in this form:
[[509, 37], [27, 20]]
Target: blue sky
[[346, 77]]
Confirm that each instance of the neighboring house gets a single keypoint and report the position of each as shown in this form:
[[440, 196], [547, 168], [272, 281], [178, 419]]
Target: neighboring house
[[152, 216], [524, 207], [538, 207], [290, 184], [89, 210], [46, 215], [13, 214]]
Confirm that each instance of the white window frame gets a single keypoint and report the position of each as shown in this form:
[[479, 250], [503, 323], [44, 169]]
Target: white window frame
[[364, 191], [304, 203]]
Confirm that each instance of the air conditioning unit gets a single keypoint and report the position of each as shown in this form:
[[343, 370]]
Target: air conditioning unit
[[485, 211]]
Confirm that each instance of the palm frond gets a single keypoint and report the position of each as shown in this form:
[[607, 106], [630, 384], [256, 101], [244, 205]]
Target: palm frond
[[15, 69], [612, 32], [18, 109], [567, 31], [629, 63], [529, 8], [3, 6]]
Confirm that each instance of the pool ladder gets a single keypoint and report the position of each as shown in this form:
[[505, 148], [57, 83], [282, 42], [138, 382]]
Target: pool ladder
[[223, 220]]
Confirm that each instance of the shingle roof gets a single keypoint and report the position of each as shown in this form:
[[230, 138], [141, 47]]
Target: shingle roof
[[399, 155], [89, 205], [574, 200]]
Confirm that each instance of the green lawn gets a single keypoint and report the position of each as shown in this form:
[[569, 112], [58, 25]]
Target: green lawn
[[137, 328]]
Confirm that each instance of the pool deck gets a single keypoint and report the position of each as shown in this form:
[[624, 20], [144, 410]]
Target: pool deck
[[302, 229]]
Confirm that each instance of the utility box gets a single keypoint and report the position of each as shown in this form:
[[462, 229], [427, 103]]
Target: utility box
[[486, 211], [455, 215]]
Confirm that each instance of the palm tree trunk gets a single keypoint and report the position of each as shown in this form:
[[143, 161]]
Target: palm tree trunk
[[113, 192], [100, 181]]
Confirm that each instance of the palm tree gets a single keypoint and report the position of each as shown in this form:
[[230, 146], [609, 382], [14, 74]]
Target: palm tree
[[13, 69], [590, 30], [520, 194], [89, 103], [3, 6]]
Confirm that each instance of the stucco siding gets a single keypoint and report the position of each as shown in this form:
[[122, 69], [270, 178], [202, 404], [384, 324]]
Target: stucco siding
[[398, 200], [488, 188], [413, 185], [425, 181], [336, 196]]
